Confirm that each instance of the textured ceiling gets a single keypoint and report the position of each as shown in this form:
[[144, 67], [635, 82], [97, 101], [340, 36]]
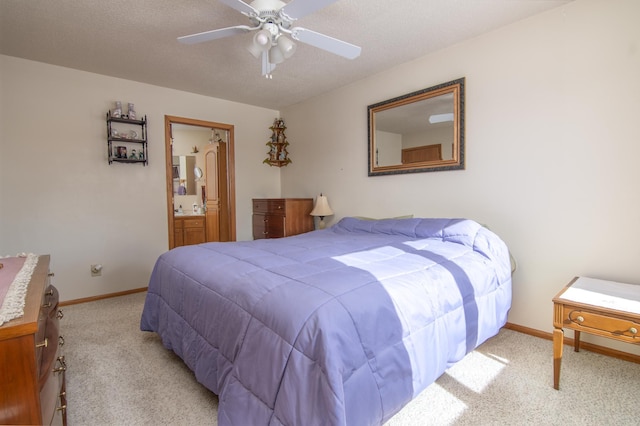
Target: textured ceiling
[[136, 40]]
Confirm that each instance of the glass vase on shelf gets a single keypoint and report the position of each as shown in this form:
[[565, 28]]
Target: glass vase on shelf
[[131, 111], [117, 112]]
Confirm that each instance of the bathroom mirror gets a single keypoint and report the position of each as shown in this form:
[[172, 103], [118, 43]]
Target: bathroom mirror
[[421, 131], [185, 175]]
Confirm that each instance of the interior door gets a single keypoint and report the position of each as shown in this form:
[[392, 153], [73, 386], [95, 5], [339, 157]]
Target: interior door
[[219, 184]]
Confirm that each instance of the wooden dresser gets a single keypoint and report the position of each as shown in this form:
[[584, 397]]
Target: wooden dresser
[[32, 367], [281, 217], [188, 230]]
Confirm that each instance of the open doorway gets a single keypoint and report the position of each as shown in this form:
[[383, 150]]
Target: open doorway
[[200, 171]]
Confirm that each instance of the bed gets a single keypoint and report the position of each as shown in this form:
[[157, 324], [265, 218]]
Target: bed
[[340, 326]]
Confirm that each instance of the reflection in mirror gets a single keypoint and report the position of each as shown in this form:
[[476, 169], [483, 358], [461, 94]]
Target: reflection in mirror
[[418, 132], [188, 163], [184, 177]]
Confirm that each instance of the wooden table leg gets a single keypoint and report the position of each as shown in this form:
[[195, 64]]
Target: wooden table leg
[[576, 340], [558, 340]]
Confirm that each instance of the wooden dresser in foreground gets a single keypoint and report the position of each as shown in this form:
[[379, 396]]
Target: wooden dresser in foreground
[[32, 367], [281, 217]]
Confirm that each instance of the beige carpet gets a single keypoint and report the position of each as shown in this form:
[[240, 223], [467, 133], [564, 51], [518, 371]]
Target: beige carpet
[[118, 375]]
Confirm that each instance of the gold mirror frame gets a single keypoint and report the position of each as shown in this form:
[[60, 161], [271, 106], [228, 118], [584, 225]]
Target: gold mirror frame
[[415, 109]]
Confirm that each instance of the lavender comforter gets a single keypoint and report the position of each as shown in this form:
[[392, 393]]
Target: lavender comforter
[[341, 326]]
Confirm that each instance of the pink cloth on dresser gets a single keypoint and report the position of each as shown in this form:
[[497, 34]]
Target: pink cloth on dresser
[[11, 267]]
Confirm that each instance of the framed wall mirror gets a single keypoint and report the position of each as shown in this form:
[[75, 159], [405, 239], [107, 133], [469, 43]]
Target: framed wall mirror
[[421, 131]]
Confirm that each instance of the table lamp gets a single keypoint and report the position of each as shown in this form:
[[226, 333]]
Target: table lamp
[[321, 209]]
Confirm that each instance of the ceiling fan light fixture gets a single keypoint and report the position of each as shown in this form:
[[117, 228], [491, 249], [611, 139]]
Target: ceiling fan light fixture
[[275, 55], [286, 46], [271, 19], [261, 42]]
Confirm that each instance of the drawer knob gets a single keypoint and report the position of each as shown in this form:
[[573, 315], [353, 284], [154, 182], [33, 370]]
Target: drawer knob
[[61, 340], [580, 318], [633, 330], [61, 408], [51, 274], [60, 314], [50, 292], [43, 344], [47, 305]]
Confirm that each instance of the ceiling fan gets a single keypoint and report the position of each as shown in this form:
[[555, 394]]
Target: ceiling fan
[[272, 20]]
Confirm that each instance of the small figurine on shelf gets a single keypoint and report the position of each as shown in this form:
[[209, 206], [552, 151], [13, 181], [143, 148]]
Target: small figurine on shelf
[[133, 155], [141, 155], [283, 155]]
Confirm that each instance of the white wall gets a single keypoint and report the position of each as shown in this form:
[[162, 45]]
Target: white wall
[[552, 148], [59, 195]]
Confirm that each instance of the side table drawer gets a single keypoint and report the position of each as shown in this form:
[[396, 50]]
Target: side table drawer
[[595, 323]]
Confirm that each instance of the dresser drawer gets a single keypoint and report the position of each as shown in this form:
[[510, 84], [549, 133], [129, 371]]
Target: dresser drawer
[[273, 206], [592, 322], [48, 330], [194, 223], [268, 226], [52, 392]]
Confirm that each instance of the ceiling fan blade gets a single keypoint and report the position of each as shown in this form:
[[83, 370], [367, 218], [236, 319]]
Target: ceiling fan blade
[[214, 34], [296, 9], [330, 44], [241, 7]]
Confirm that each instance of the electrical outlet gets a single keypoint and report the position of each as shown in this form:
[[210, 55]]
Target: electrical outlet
[[96, 270]]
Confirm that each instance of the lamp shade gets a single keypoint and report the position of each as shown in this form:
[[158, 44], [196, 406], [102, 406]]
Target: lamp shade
[[261, 42], [322, 207], [275, 55], [286, 46]]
